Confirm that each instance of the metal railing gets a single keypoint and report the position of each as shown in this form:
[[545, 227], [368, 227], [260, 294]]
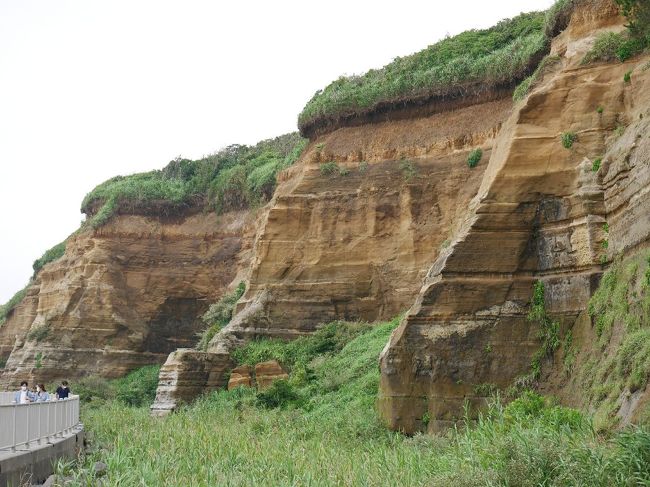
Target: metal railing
[[24, 425]]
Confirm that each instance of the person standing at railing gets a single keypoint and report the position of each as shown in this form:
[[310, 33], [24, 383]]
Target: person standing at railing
[[41, 394], [63, 391], [23, 395]]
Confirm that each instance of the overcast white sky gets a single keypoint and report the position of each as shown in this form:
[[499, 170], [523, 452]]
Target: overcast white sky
[[92, 89]]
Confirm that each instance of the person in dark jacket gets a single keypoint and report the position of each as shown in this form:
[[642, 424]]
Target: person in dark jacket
[[63, 391]]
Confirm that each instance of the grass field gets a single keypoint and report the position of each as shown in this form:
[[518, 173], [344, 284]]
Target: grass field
[[321, 428]]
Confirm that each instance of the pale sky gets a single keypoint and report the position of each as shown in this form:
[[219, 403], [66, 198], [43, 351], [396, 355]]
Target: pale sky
[[92, 89]]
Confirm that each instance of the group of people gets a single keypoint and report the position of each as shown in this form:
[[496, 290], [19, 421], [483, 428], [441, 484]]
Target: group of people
[[39, 394]]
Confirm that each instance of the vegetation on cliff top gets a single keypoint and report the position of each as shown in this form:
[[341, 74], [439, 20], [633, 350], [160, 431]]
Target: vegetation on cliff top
[[464, 65], [50, 255], [236, 177], [15, 300], [326, 431]]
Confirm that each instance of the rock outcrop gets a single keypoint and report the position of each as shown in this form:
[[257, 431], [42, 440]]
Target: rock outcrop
[[124, 295], [355, 224], [539, 215]]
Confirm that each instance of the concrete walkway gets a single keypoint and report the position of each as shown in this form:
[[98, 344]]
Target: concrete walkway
[[35, 464]]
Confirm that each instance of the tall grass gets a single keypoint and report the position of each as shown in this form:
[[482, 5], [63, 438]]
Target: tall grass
[[236, 177], [500, 55], [332, 435]]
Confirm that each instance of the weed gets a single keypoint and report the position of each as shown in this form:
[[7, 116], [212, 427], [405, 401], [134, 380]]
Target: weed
[[38, 360], [38, 333], [568, 139], [600, 110], [363, 167], [219, 315], [627, 77], [549, 330], [611, 46], [408, 169], [474, 158], [595, 166], [619, 130], [138, 388], [426, 419], [570, 352], [280, 394], [606, 227], [329, 168], [485, 390], [320, 146]]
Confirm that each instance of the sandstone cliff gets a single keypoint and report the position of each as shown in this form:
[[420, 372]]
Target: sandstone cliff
[[540, 214], [124, 295], [350, 233]]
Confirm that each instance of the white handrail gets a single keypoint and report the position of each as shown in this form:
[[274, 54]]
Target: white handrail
[[24, 424]]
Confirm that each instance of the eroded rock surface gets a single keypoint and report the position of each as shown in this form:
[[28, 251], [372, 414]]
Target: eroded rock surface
[[124, 296], [539, 215]]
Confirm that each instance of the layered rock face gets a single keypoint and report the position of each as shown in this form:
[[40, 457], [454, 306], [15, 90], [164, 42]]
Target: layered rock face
[[353, 227], [124, 295], [539, 215]]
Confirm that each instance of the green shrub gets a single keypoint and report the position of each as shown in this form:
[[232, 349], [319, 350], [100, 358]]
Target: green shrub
[[328, 339], [9, 306], [93, 388], [234, 178], [219, 315], [279, 395], [50, 255], [38, 333], [627, 77], [600, 110], [568, 139], [595, 166], [138, 388], [408, 169], [474, 158], [638, 15], [611, 46], [329, 168]]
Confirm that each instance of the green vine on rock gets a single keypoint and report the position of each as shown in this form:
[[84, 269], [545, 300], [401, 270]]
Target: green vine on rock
[[549, 330]]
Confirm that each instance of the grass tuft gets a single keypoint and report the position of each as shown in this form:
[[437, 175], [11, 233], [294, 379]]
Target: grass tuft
[[474, 158], [568, 139]]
